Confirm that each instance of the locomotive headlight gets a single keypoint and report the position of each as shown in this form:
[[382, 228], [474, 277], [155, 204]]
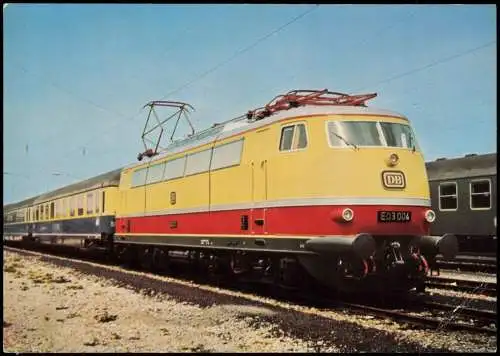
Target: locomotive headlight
[[347, 214], [430, 216], [393, 160]]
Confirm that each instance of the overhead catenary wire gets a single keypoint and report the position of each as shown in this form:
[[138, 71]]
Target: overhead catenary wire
[[241, 51], [69, 92], [204, 74], [427, 66]]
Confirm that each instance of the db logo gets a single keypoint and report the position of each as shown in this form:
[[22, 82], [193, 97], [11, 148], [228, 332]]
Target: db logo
[[393, 179]]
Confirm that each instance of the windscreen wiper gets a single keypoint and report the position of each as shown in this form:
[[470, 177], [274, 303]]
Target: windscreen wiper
[[345, 141]]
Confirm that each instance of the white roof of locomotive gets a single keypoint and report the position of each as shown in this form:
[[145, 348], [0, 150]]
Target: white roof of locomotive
[[231, 128]]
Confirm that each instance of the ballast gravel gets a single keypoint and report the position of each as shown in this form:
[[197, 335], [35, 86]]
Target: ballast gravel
[[55, 308]]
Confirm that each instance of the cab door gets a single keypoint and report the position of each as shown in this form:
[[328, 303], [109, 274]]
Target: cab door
[[260, 179], [259, 196]]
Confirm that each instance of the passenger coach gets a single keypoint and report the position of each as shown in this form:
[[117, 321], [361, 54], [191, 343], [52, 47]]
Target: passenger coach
[[464, 196], [79, 214]]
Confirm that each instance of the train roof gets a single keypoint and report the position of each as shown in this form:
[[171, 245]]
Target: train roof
[[462, 167], [21, 204], [233, 127], [108, 179]]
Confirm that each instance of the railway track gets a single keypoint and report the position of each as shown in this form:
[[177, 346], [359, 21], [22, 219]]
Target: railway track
[[469, 263], [481, 324], [460, 285]]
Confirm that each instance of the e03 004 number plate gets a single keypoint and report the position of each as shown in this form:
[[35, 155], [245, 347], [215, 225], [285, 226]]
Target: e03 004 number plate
[[394, 216]]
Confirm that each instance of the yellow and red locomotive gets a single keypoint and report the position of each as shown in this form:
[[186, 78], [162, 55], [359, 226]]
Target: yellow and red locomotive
[[313, 181]]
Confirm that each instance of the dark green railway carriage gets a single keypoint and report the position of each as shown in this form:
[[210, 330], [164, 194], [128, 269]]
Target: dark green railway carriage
[[464, 196]]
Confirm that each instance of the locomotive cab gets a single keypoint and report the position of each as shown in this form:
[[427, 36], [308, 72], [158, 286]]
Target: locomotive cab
[[374, 172], [359, 176]]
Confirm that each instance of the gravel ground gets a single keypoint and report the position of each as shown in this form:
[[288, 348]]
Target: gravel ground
[[53, 308]]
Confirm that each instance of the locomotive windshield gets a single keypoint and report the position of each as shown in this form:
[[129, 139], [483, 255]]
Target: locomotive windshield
[[371, 133]]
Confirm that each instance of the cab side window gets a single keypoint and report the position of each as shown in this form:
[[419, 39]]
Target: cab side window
[[293, 137]]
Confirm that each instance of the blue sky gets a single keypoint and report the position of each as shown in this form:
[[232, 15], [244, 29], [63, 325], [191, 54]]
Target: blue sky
[[76, 76]]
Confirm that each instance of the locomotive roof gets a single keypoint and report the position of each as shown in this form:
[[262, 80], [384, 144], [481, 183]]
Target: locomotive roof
[[111, 178], [236, 126], [462, 167]]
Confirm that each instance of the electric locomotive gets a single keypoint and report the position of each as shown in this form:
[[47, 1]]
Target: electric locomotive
[[314, 179], [315, 183]]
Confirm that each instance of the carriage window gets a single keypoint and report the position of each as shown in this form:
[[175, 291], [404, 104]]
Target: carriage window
[[198, 162], [175, 168], [97, 206], [227, 155], [72, 206], [90, 203], [480, 194], [52, 210], [47, 212], [448, 196], [103, 201], [79, 202]]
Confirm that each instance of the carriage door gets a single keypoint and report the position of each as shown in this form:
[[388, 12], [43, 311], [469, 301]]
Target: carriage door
[[260, 169]]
